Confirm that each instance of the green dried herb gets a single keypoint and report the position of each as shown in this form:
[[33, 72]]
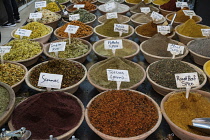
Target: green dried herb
[[4, 99], [85, 16]]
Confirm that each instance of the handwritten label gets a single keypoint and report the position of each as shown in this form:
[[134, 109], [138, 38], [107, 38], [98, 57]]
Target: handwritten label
[[111, 15], [181, 4], [50, 80], [145, 9], [113, 44], [35, 15], [187, 79], [156, 16], [23, 32], [121, 28], [58, 46], [189, 13], [40, 4], [117, 75], [175, 49], [163, 29], [5, 49], [110, 6], [205, 32], [74, 17], [78, 6], [71, 29]]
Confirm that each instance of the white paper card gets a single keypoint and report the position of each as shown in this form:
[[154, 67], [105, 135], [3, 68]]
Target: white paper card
[[50, 80], [117, 75], [121, 28], [205, 32], [111, 15], [181, 4], [78, 6], [23, 32], [74, 17], [5, 49], [40, 4], [187, 79], [113, 44], [175, 49], [189, 12], [156, 16], [72, 29], [145, 9], [163, 29], [110, 6], [35, 15], [58, 46]]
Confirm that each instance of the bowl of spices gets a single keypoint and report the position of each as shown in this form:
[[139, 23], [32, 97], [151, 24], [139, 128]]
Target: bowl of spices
[[13, 74], [199, 50], [159, 2], [161, 74], [189, 31], [74, 73], [40, 32], [120, 8], [76, 1], [62, 2], [88, 6], [49, 113], [129, 51], [155, 48], [107, 30], [179, 112], [97, 74], [24, 51], [137, 8], [134, 2], [84, 31], [206, 69], [168, 7], [77, 50], [105, 1], [117, 115], [122, 19], [7, 102], [52, 6]]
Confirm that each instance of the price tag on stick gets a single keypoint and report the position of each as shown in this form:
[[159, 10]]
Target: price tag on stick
[[156, 16], [78, 6], [205, 32], [121, 28], [40, 4], [35, 16], [71, 29], [111, 15], [163, 29], [113, 45], [118, 76], [190, 13], [3, 50], [74, 17], [145, 10], [175, 49], [56, 47], [23, 32], [181, 4]]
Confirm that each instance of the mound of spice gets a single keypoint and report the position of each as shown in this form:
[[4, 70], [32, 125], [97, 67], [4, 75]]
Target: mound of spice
[[52, 6], [77, 1], [208, 69], [72, 72], [88, 6], [170, 6], [75, 49], [4, 100], [38, 30], [162, 72], [181, 17], [137, 8], [60, 1], [105, 1], [107, 29], [200, 46], [191, 29], [122, 113], [120, 8], [84, 30], [11, 73], [160, 2], [149, 29], [22, 49], [157, 45], [128, 49], [47, 113], [182, 111], [98, 74], [141, 18], [136, 1]]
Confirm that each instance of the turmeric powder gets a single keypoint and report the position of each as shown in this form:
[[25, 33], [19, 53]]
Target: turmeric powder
[[160, 2]]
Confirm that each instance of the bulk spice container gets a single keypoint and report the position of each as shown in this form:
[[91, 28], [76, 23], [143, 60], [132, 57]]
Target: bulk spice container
[[112, 114]]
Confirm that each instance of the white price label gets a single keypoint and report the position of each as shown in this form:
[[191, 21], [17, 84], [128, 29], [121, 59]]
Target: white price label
[[74, 17], [145, 9], [205, 32], [156, 16], [189, 12], [35, 15], [58, 46], [117, 75], [71, 29], [78, 6], [113, 44], [187, 80], [111, 15], [40, 4], [163, 29], [123, 28], [110, 6], [23, 32], [181, 4], [5, 49], [50, 80], [175, 49]]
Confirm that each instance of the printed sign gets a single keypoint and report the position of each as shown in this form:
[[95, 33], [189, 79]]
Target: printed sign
[[181, 4], [118, 75], [156, 16], [78, 6], [5, 49], [111, 15], [189, 13], [71, 29], [175, 49], [74, 17], [50, 80], [113, 44], [40, 4], [23, 32], [121, 28], [58, 46], [145, 9], [187, 79], [163, 29], [35, 15], [205, 32]]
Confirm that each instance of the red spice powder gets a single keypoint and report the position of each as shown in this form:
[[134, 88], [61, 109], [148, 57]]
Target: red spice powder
[[170, 6]]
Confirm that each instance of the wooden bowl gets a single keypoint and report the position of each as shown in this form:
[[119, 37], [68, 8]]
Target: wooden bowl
[[179, 132], [101, 8], [70, 89], [108, 137], [80, 59], [11, 105], [65, 3], [205, 69], [150, 58], [165, 90], [72, 5], [122, 19]]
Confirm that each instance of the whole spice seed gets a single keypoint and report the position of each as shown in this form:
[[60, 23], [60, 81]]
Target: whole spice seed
[[11, 74], [122, 113], [4, 100], [137, 7], [98, 74], [72, 72], [182, 111], [163, 72], [47, 113], [22, 49], [88, 6]]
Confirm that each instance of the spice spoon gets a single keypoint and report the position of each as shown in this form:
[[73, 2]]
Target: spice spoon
[[172, 21], [201, 124]]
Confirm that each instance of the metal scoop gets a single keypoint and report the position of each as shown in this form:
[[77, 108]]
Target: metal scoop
[[21, 134], [172, 21], [201, 124]]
